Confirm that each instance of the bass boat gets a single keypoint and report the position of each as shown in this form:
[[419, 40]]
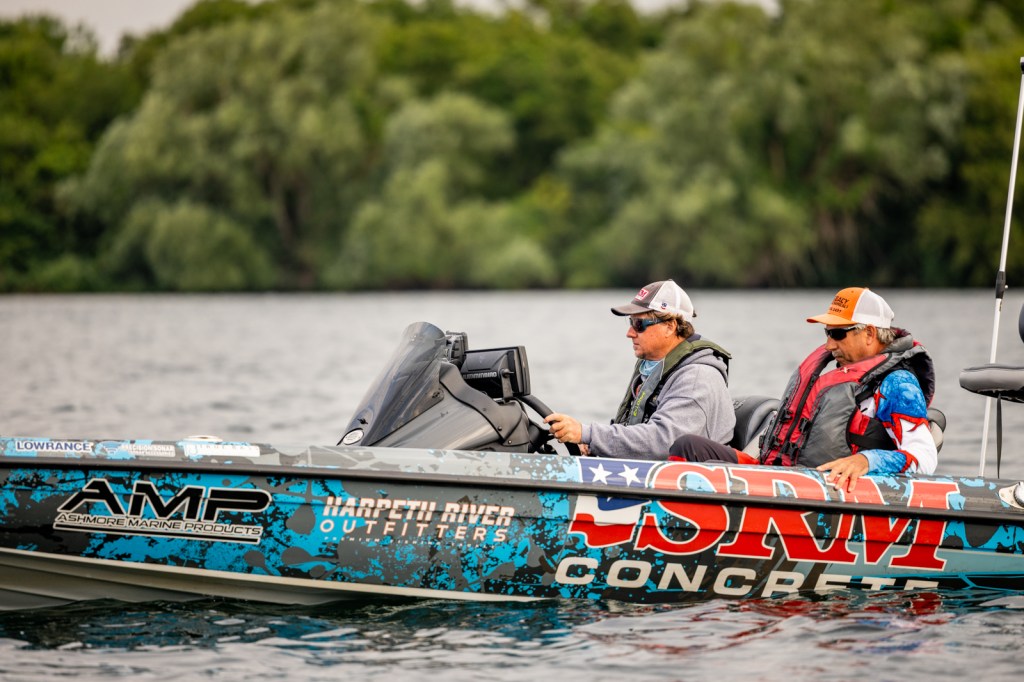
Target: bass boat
[[445, 485]]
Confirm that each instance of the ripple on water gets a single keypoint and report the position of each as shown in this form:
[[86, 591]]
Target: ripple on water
[[845, 636]]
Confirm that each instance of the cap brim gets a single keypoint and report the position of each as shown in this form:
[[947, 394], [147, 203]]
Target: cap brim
[[630, 309], [829, 318]]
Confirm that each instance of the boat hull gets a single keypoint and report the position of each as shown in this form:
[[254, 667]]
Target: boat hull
[[138, 520]]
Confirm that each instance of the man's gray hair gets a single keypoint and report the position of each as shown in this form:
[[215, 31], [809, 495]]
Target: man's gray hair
[[885, 336]]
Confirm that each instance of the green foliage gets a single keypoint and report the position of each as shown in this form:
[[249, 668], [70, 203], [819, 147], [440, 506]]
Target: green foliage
[[68, 273], [454, 130], [264, 123], [755, 150], [56, 99], [193, 248], [499, 251], [554, 84], [427, 230], [186, 247], [139, 53], [960, 229], [390, 143]]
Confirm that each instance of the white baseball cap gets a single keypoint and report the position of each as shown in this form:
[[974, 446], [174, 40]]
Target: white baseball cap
[[661, 297]]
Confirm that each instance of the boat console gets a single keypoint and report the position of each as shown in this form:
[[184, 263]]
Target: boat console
[[435, 392], [501, 373]]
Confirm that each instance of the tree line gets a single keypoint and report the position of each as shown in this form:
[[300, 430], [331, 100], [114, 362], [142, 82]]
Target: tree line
[[351, 144]]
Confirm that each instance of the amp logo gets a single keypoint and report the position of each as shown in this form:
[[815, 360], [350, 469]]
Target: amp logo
[[193, 512]]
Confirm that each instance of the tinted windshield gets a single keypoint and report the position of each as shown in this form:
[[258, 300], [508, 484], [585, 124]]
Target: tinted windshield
[[406, 386]]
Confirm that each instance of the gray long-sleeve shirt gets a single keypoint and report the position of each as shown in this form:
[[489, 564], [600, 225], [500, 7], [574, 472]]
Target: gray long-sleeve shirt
[[693, 400]]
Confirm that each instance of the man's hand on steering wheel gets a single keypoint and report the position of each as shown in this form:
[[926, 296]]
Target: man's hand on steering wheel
[[569, 432]]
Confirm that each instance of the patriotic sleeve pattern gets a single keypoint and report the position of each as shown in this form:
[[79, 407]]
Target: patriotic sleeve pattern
[[900, 406]]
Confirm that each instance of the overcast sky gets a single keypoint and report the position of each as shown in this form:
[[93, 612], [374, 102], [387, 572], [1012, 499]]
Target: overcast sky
[[108, 19]]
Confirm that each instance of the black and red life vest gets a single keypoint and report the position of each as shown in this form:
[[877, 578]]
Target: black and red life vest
[[819, 419]]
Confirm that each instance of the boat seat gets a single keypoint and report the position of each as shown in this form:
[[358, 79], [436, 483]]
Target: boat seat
[[753, 412], [999, 381], [994, 380], [937, 425]]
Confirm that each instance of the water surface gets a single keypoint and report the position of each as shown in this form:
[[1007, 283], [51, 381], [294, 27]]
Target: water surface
[[292, 368]]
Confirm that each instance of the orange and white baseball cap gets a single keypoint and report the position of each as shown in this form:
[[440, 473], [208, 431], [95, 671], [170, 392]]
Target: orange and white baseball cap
[[857, 305]]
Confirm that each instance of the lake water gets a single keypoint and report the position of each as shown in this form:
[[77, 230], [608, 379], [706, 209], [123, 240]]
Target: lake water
[[289, 369]]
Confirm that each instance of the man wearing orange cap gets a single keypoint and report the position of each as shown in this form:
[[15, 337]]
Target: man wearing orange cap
[[679, 383], [868, 415]]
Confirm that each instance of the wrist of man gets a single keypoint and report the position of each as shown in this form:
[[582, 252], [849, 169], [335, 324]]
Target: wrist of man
[[585, 433], [884, 461]]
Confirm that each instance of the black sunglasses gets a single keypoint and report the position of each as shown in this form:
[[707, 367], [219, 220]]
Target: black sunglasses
[[839, 333], [641, 325]]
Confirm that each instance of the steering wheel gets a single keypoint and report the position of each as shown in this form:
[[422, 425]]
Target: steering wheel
[[544, 432]]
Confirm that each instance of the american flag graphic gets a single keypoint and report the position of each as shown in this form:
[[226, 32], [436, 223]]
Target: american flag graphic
[[620, 473], [605, 521]]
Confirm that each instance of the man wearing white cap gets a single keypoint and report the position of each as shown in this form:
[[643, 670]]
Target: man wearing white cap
[[679, 384], [868, 415]]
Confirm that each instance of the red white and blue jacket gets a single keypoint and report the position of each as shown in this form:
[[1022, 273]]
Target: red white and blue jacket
[[877, 407]]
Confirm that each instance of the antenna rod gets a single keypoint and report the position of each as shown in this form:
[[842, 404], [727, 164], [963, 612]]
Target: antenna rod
[[1001, 274]]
